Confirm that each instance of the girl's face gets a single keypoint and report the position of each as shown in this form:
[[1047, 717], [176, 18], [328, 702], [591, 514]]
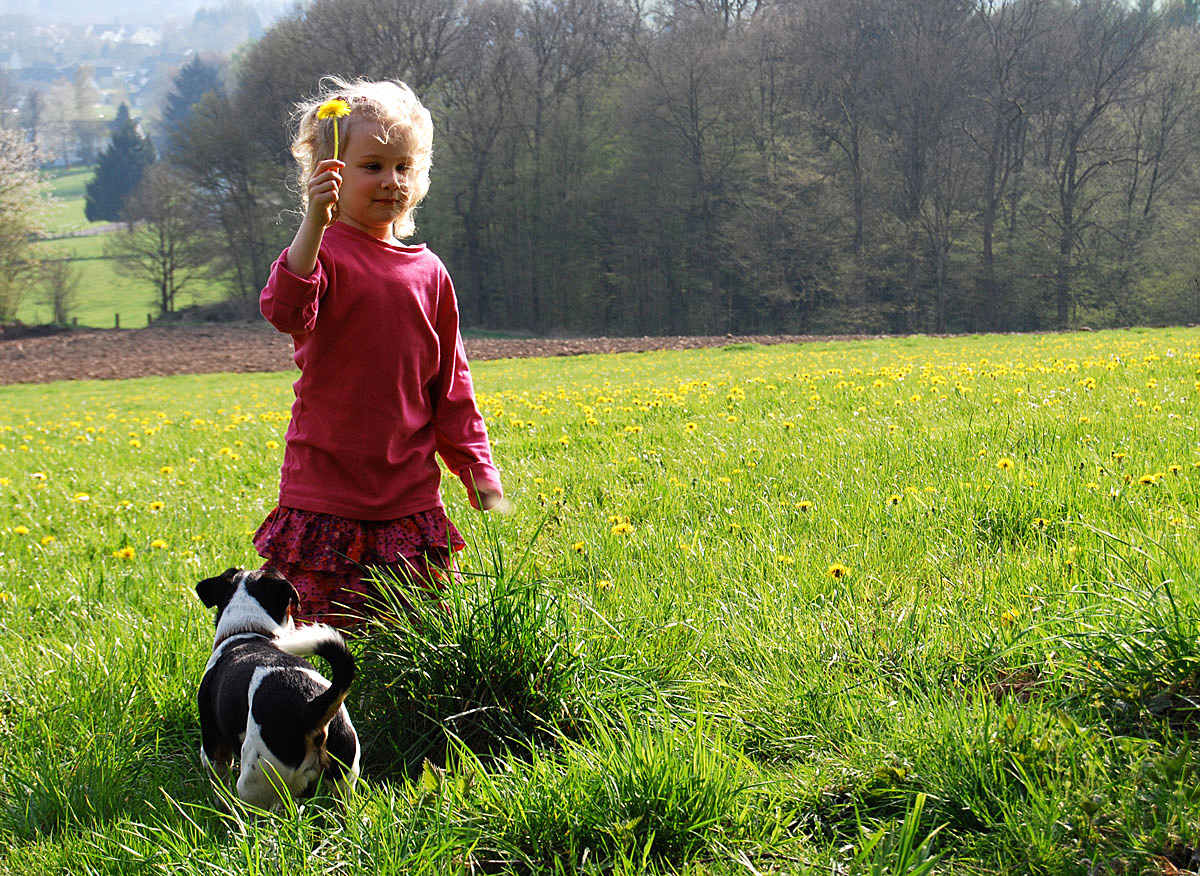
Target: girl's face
[[375, 181]]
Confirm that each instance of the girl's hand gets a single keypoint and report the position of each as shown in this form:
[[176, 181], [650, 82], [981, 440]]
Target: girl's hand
[[323, 189], [492, 500]]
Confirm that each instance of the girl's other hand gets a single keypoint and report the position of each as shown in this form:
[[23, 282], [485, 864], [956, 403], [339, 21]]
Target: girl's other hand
[[323, 189]]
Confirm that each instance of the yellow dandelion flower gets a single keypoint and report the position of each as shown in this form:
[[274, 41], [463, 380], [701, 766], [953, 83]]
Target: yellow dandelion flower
[[895, 499], [125, 553], [1005, 463], [20, 530], [837, 570], [732, 418], [158, 544], [133, 442], [334, 109], [1175, 469], [48, 539], [1010, 616], [578, 547], [622, 529], [564, 440], [804, 505], [784, 560], [604, 585], [156, 505], [272, 445], [167, 469], [1147, 479], [1041, 522]]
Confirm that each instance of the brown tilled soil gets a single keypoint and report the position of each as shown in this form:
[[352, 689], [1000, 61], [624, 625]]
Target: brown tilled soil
[[36, 356]]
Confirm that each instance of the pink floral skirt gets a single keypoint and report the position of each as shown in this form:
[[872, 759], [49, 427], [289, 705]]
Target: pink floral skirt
[[325, 557]]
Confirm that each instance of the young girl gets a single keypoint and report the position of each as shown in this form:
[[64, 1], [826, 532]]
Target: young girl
[[384, 381]]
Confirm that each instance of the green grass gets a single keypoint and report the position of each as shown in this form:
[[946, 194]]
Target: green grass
[[924, 606]]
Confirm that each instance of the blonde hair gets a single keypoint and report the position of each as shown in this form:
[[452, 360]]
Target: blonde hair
[[391, 104]]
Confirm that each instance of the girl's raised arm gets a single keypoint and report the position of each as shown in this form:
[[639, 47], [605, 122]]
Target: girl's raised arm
[[322, 199]]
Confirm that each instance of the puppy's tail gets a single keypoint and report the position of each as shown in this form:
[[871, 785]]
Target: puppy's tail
[[327, 643]]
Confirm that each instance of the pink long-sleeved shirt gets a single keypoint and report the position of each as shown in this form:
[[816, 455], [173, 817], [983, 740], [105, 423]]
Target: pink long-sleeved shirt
[[384, 381]]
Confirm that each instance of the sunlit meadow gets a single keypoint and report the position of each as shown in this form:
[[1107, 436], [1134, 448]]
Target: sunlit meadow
[[897, 606]]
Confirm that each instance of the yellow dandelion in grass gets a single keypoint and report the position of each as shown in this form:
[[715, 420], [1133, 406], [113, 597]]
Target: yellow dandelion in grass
[[1040, 522], [20, 530], [1175, 469], [81, 497], [125, 553], [804, 505], [622, 528], [784, 560], [158, 544], [732, 418], [895, 499], [578, 547], [167, 469], [4, 597], [1005, 463], [334, 109], [48, 539], [837, 571], [1010, 616], [690, 427], [1118, 456], [564, 440], [604, 585], [1147, 479], [156, 505], [272, 445]]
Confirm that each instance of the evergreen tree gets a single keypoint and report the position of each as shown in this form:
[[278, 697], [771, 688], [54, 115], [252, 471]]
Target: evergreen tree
[[119, 169], [195, 79]]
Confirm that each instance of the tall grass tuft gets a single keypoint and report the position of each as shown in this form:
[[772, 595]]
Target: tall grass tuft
[[494, 663], [1133, 653]]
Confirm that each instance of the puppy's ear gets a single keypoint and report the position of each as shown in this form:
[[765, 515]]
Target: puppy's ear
[[276, 594], [215, 591]]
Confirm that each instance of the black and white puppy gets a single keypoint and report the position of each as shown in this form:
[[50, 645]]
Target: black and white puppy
[[261, 700]]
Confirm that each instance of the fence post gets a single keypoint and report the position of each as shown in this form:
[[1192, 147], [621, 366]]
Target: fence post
[[117, 321]]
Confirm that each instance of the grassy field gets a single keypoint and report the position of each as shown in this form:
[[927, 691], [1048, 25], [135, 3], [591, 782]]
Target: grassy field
[[103, 293], [909, 606]]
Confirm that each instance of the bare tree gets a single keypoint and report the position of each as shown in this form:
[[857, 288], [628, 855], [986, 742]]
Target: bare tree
[[1014, 47], [921, 104], [156, 245], [59, 281], [1103, 49], [478, 97], [1157, 125], [690, 92]]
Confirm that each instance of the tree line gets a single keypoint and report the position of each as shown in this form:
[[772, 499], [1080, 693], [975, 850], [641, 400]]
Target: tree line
[[709, 166]]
